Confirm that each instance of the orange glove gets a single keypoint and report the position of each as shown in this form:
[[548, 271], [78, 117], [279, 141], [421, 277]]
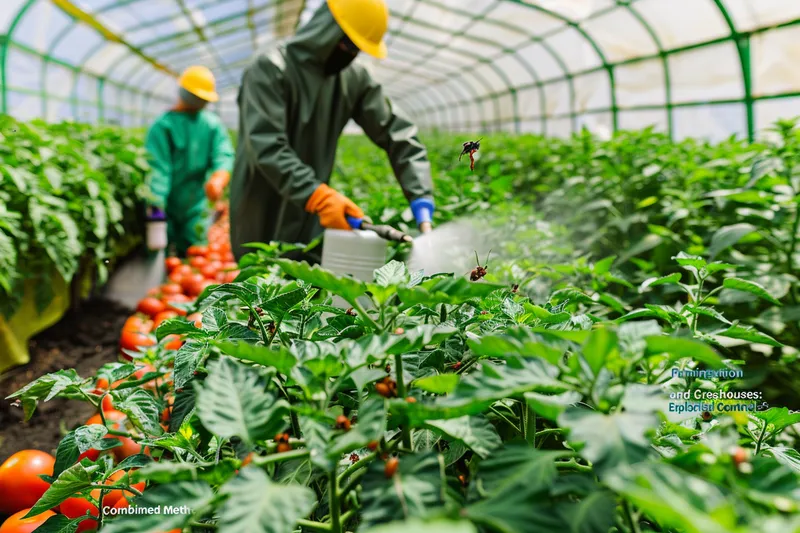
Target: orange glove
[[216, 184], [332, 207]]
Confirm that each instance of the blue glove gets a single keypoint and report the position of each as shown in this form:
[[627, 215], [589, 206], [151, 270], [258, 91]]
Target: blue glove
[[423, 210]]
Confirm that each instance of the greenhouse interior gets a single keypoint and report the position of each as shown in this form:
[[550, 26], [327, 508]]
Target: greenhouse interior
[[399, 266]]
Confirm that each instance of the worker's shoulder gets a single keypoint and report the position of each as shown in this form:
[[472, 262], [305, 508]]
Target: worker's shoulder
[[357, 73], [271, 62], [162, 123], [211, 118]]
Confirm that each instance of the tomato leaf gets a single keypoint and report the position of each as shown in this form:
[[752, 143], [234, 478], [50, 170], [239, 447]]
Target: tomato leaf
[[255, 503], [280, 358], [70, 481], [233, 401], [179, 326], [143, 411], [681, 348], [752, 287], [439, 384], [475, 432], [164, 508], [551, 406], [348, 288], [63, 383], [59, 524], [186, 360], [79, 441], [370, 427]]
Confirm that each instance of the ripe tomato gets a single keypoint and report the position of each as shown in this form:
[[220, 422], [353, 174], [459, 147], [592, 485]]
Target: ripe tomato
[[138, 323], [150, 306], [122, 502], [108, 404], [114, 496], [20, 484], [17, 524], [231, 276], [133, 341], [76, 507], [209, 271], [197, 250], [230, 265], [198, 286], [176, 298], [171, 288], [116, 420], [153, 292], [174, 342], [197, 318], [214, 256], [183, 270], [175, 277], [188, 282], [198, 262], [163, 316], [228, 256], [171, 263]]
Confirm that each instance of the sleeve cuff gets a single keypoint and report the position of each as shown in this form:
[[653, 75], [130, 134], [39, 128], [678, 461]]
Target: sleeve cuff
[[423, 210]]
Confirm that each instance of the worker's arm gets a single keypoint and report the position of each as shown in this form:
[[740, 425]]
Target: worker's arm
[[262, 106], [222, 156], [393, 132], [159, 156]]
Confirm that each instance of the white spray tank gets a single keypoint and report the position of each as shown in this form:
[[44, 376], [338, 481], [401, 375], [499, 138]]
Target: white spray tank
[[156, 230], [357, 252]]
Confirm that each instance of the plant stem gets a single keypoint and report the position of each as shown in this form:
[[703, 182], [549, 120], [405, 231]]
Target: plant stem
[[761, 438], [629, 514], [572, 464], [363, 313], [264, 336], [358, 465], [401, 392], [792, 245], [354, 479], [333, 489], [126, 488], [314, 526], [206, 525], [278, 457]]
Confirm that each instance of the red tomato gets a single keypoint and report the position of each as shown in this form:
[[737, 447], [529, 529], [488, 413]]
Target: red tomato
[[209, 271], [138, 323], [197, 250], [116, 421], [196, 288], [174, 342], [171, 288], [198, 262], [175, 277], [228, 256], [189, 282], [177, 298], [163, 316], [230, 265], [171, 263], [197, 318], [231, 276], [122, 502], [133, 341], [17, 524], [114, 496], [77, 507], [214, 256], [214, 248], [150, 306], [153, 292], [183, 270], [20, 484], [108, 405]]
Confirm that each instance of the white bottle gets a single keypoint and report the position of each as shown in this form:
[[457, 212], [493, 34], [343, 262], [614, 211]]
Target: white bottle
[[356, 253], [156, 230]]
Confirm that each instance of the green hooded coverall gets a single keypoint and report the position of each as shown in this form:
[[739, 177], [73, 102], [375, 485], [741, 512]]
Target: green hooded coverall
[[290, 118], [185, 149]]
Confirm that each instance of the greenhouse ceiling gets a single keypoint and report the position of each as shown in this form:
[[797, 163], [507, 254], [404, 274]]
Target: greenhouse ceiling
[[707, 68]]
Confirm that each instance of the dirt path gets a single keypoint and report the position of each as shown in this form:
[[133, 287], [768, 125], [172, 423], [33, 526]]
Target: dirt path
[[84, 340]]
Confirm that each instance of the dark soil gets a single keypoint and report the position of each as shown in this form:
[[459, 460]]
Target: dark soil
[[85, 340]]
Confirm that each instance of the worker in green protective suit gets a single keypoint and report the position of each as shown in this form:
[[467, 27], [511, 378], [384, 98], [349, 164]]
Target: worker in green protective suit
[[191, 157], [294, 104]]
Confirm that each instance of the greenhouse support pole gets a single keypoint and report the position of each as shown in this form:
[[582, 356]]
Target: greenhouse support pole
[[743, 43], [101, 112]]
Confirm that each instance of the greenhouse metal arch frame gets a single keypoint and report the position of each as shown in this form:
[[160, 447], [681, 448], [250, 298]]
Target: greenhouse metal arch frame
[[706, 68]]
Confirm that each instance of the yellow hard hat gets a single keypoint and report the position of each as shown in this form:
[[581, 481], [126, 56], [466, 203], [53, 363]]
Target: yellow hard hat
[[364, 21], [199, 81]]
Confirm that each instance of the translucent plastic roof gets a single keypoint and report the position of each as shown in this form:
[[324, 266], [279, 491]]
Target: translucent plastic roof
[[707, 68]]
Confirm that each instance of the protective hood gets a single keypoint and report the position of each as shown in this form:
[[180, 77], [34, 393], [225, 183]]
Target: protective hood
[[314, 42]]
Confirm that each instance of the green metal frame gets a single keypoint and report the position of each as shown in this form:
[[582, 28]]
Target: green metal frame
[[462, 98]]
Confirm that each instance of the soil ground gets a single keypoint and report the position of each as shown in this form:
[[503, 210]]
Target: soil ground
[[84, 340]]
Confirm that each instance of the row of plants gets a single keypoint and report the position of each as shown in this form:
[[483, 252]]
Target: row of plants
[[535, 399], [70, 198]]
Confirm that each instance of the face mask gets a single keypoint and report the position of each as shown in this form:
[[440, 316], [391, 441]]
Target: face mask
[[190, 101], [343, 54]]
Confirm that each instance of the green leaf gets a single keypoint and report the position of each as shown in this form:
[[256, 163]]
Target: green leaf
[[280, 359], [278, 306], [391, 274], [785, 456], [749, 333], [59, 524], [743, 285], [186, 359], [179, 326], [445, 290], [79, 441], [182, 408], [593, 514], [413, 491], [475, 432], [348, 288], [681, 348], [599, 347], [173, 505], [664, 280], [233, 401], [143, 411], [317, 436], [257, 504], [551, 406], [604, 265], [438, 384], [71, 481], [778, 418], [727, 236], [62, 383], [370, 427], [419, 526], [610, 441]]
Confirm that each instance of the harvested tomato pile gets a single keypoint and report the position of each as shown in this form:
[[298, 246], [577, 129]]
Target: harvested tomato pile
[[206, 265], [20, 484]]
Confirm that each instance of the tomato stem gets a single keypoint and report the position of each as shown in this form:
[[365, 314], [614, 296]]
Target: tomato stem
[[401, 392], [333, 489], [314, 526]]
